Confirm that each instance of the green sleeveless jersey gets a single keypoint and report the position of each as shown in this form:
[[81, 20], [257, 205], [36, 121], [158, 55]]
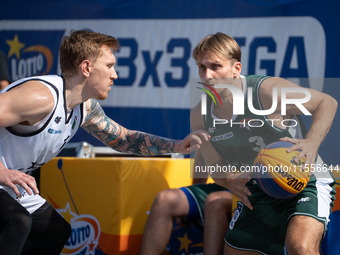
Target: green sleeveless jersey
[[240, 140]]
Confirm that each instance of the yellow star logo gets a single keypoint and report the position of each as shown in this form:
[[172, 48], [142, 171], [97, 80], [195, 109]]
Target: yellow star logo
[[184, 242], [15, 46], [67, 213]]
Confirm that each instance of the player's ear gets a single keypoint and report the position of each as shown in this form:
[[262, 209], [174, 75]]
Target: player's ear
[[85, 68], [237, 67]]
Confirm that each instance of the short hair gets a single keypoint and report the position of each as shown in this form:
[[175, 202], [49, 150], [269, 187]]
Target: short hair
[[81, 45], [221, 44]]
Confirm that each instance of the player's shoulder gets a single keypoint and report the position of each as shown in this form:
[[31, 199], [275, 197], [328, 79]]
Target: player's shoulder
[[29, 101], [36, 85], [33, 89]]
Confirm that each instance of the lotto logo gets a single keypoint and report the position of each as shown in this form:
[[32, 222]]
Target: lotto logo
[[85, 233]]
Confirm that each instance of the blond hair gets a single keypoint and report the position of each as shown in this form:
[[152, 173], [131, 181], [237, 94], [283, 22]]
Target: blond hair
[[221, 44], [81, 45]]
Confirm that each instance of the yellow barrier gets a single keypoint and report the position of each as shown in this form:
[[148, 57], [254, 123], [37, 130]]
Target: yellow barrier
[[106, 200]]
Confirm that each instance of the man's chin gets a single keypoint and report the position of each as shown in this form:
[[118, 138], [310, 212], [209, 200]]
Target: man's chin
[[102, 97]]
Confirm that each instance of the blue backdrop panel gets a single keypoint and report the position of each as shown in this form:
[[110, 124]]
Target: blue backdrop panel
[[287, 38]]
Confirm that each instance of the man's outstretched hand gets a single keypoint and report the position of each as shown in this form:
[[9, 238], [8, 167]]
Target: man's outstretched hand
[[191, 142]]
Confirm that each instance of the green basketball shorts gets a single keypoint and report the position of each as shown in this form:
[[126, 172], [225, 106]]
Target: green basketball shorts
[[263, 229]]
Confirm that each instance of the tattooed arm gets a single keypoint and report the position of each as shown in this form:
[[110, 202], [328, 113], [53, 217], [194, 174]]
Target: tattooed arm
[[121, 139]]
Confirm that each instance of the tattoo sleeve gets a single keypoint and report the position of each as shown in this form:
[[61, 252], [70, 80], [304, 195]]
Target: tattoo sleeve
[[121, 139]]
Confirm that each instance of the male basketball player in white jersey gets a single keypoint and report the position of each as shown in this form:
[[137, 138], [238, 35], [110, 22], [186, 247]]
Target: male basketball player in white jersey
[[39, 115], [261, 224]]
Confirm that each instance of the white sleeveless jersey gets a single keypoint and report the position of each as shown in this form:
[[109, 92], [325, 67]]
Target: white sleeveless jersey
[[28, 151]]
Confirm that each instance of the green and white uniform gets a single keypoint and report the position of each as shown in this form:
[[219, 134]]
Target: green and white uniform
[[263, 229]]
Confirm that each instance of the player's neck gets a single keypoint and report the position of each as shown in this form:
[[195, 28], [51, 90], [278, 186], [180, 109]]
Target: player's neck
[[74, 91]]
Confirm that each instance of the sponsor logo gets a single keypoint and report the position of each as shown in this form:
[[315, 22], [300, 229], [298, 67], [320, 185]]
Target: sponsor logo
[[85, 233], [31, 53], [53, 131], [236, 215], [295, 183], [222, 137], [304, 199]]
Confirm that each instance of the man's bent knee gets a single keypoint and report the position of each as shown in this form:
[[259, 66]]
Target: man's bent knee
[[304, 235], [171, 201], [166, 198], [220, 199]]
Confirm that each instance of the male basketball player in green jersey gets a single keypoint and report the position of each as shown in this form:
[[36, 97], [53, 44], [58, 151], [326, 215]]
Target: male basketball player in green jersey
[[261, 224]]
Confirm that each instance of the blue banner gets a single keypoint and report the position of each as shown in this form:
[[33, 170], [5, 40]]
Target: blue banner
[[286, 38]]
